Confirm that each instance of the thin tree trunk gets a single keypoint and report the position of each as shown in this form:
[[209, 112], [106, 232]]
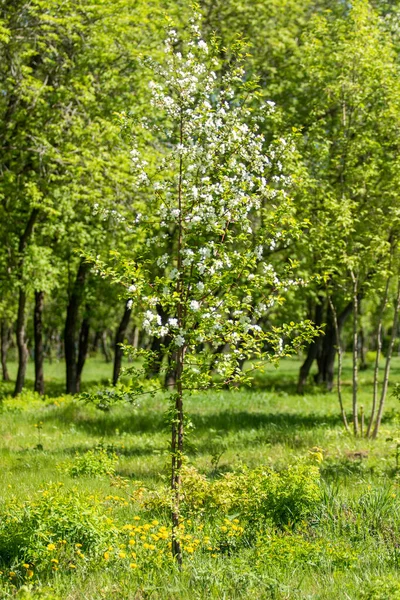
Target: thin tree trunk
[[104, 347], [135, 337], [20, 330], [378, 355], [387, 364], [38, 338], [4, 341], [355, 353], [177, 420], [363, 350], [177, 456], [119, 339], [340, 363], [313, 350], [326, 358], [96, 341], [83, 347], [21, 343], [71, 328]]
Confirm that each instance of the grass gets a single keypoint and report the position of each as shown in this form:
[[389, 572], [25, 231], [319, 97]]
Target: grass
[[348, 548]]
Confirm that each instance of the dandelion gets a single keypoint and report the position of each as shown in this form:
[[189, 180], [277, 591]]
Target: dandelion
[[133, 566], [30, 573], [51, 547]]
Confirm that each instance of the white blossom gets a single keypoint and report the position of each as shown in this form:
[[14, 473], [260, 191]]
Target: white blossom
[[179, 340]]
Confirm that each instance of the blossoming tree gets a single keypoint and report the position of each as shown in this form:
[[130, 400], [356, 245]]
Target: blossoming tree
[[214, 199]]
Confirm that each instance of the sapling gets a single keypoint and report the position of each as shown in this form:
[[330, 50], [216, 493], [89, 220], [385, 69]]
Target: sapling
[[215, 202]]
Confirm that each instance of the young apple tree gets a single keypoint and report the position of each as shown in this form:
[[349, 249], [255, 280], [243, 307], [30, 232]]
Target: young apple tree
[[214, 197]]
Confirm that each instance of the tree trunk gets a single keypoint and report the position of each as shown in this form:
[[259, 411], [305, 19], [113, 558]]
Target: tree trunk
[[177, 456], [104, 347], [96, 341], [38, 337], [83, 347], [340, 364], [119, 339], [326, 358], [363, 350], [387, 364], [20, 330], [355, 353], [378, 355], [71, 328], [21, 343], [4, 343], [313, 349]]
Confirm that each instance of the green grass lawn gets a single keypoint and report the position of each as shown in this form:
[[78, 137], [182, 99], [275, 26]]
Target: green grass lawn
[[346, 547]]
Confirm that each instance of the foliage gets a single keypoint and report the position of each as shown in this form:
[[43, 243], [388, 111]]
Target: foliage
[[54, 529], [94, 463], [258, 496]]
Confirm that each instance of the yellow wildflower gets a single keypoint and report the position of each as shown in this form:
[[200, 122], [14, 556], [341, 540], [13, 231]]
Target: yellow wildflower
[[51, 547]]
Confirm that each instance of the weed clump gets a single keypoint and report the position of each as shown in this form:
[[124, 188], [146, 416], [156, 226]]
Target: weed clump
[[54, 530], [94, 463], [282, 498]]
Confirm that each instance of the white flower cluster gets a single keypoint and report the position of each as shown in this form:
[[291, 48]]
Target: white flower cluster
[[215, 178]]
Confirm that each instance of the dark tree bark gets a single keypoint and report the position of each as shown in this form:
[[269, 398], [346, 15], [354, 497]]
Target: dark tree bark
[[326, 357], [105, 347], [83, 347], [119, 339], [96, 341], [323, 348], [4, 343], [38, 337], [21, 343], [363, 350], [20, 328], [157, 348], [313, 349], [71, 328]]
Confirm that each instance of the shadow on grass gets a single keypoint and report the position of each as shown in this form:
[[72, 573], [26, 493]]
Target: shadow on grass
[[53, 388], [110, 423]]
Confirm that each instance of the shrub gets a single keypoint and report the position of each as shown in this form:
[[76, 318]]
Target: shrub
[[287, 550], [284, 498], [56, 529], [94, 463]]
